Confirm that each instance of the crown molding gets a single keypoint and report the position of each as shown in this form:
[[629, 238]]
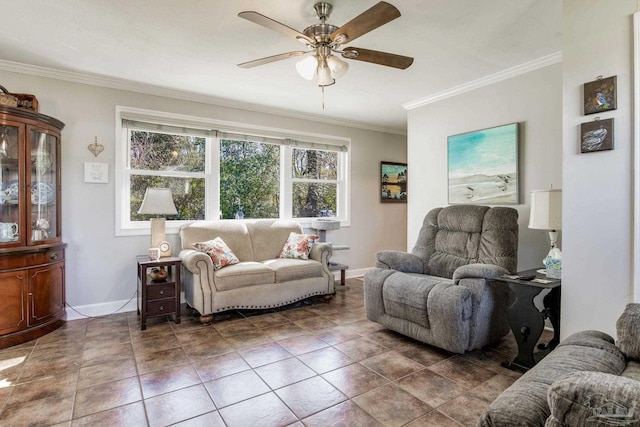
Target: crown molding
[[147, 89], [518, 70]]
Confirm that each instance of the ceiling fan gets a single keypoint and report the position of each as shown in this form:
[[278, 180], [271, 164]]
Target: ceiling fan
[[323, 43]]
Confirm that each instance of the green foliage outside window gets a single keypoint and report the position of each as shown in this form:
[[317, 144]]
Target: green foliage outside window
[[162, 152], [249, 177], [314, 198]]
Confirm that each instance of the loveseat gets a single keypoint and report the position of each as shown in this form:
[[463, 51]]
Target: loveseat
[[444, 292], [587, 380], [260, 279]]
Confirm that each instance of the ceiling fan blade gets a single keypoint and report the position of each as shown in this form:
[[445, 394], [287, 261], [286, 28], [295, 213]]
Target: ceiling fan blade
[[269, 23], [369, 20], [273, 58], [376, 57]]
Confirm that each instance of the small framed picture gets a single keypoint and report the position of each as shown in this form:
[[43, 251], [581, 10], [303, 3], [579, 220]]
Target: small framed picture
[[96, 173], [596, 136], [600, 95], [393, 182]]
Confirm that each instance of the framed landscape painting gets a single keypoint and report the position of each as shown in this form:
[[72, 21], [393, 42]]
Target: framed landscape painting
[[483, 166], [393, 182]]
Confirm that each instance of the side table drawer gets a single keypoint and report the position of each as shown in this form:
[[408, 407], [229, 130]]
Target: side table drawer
[[161, 306], [161, 290]]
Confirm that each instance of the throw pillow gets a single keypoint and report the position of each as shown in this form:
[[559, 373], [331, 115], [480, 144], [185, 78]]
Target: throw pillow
[[219, 252], [298, 246], [628, 328]]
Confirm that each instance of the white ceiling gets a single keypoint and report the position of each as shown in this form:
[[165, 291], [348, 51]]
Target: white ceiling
[[194, 46]]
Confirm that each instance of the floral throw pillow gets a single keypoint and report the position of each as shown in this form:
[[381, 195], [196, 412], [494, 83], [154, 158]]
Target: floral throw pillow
[[219, 252], [298, 246]]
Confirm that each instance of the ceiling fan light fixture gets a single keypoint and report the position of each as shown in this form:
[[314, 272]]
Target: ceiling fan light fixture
[[307, 67], [324, 75], [337, 66]]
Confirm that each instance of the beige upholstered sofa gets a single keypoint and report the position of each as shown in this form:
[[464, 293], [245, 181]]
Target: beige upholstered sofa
[[261, 280]]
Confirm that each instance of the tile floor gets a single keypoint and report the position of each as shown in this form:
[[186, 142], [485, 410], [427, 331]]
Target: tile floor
[[316, 364]]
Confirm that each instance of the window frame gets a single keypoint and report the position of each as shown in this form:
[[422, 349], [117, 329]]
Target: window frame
[[289, 140]]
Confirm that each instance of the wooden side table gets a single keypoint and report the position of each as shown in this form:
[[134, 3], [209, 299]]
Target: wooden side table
[[527, 322], [158, 298]]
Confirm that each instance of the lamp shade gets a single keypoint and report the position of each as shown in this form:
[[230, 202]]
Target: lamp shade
[[158, 201], [307, 67], [546, 210]]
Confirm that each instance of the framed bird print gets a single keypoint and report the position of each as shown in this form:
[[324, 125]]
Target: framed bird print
[[600, 95], [596, 136], [483, 166]]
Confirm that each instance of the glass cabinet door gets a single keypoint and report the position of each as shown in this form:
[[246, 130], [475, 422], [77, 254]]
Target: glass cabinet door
[[10, 183], [43, 194]]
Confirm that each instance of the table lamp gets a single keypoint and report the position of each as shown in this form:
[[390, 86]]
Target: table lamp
[[158, 201], [546, 214]]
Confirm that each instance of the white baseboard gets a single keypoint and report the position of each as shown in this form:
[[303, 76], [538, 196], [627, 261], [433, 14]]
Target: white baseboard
[[350, 274], [123, 306]]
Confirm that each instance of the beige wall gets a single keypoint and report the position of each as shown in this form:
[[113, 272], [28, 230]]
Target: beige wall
[[101, 267], [598, 204], [534, 100]]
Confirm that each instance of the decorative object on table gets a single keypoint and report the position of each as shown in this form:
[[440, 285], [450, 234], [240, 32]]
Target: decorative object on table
[[546, 214], [154, 254], [165, 248], [596, 135], [393, 182], [96, 173], [96, 148], [600, 95], [159, 274], [553, 267], [158, 201], [483, 166]]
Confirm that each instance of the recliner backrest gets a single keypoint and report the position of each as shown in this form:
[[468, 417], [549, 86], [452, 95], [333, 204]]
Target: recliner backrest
[[465, 234]]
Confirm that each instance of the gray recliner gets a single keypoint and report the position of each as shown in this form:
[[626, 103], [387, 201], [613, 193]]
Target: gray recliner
[[443, 292]]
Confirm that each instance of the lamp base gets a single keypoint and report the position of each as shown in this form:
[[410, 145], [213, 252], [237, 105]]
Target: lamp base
[[157, 231]]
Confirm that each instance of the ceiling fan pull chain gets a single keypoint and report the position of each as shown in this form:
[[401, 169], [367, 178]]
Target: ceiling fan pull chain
[[322, 97]]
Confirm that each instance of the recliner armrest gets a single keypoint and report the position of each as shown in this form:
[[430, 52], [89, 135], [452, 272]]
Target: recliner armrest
[[478, 271], [400, 261]]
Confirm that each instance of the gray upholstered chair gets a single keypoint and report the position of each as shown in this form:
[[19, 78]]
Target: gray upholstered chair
[[442, 293]]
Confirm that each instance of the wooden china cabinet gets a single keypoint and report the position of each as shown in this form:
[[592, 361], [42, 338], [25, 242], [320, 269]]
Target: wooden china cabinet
[[32, 276]]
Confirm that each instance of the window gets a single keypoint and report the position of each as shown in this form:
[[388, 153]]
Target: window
[[216, 173]]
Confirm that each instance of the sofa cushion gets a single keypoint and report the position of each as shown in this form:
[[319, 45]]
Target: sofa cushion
[[628, 329], [405, 296], [268, 236], [218, 251], [298, 246], [294, 269], [234, 233], [243, 274]]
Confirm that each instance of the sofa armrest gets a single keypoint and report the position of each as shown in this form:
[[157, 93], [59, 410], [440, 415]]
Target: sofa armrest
[[321, 252], [594, 398], [400, 261], [190, 258], [478, 271]]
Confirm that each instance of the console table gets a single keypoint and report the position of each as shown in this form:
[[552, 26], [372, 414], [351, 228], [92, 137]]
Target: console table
[[527, 321]]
